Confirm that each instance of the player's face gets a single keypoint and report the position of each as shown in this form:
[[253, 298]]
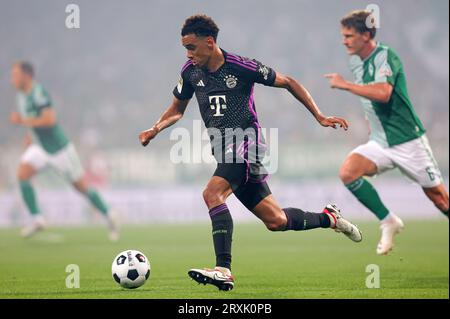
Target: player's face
[[353, 41], [17, 77], [199, 49]]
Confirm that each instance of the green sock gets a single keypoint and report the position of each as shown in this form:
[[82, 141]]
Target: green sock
[[97, 201], [29, 197], [368, 196], [446, 213]]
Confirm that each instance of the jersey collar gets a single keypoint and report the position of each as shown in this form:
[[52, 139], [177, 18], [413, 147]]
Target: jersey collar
[[373, 52], [225, 54]]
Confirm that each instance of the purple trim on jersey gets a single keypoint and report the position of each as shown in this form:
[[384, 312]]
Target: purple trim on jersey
[[240, 59], [251, 106], [218, 209], [186, 65], [251, 103], [249, 67], [245, 65]]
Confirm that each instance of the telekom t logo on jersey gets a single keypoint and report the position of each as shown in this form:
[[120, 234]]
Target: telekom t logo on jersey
[[217, 103]]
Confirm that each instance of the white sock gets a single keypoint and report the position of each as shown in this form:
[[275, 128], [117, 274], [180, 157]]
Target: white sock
[[389, 218]]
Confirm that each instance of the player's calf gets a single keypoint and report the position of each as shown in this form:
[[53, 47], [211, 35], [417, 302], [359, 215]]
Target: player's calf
[[297, 219], [439, 196], [278, 223]]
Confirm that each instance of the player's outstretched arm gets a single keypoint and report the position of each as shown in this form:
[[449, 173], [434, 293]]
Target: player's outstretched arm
[[302, 95], [378, 92], [172, 115], [46, 119]]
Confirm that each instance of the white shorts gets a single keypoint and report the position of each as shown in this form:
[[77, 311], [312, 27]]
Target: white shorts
[[414, 159], [66, 161]]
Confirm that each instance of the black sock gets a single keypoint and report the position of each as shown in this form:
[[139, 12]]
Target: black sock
[[446, 213], [300, 220], [222, 231]]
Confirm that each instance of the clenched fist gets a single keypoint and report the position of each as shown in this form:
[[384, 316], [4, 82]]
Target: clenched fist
[[146, 136]]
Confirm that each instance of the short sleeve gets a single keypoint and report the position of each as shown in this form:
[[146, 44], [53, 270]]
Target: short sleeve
[[386, 68], [184, 90], [41, 98], [264, 74]]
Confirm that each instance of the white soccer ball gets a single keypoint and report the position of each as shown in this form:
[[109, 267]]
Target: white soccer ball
[[130, 269]]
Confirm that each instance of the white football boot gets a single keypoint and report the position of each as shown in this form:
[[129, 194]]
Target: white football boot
[[341, 225], [219, 277], [37, 224], [390, 226]]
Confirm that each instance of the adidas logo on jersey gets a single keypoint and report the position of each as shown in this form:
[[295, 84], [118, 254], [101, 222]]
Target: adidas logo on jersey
[[200, 83]]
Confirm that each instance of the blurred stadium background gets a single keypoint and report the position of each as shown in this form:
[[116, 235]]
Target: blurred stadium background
[[113, 77]]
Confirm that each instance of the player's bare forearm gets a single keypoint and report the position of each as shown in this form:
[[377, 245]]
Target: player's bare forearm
[[37, 122], [46, 119], [172, 115], [300, 93], [378, 92], [303, 96]]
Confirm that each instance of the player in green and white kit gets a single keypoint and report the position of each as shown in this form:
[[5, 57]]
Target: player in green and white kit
[[397, 137], [48, 146]]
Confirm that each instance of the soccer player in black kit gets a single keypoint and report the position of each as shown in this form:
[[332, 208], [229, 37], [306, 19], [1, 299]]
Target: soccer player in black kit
[[223, 84]]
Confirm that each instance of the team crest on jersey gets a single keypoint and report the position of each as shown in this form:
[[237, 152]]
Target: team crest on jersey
[[231, 81], [386, 71], [264, 71]]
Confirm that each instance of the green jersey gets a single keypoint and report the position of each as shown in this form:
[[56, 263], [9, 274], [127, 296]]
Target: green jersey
[[52, 139], [394, 122]]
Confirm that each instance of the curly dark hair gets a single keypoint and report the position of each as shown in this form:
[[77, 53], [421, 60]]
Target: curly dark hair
[[201, 25], [357, 20]]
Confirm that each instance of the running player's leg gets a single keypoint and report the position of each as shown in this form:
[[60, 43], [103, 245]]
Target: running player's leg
[[92, 195], [439, 196], [258, 199], [368, 160], [215, 194], [33, 160], [98, 202], [68, 163], [415, 159], [277, 219], [352, 173], [24, 174]]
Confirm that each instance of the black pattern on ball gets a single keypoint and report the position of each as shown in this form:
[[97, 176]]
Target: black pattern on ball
[[132, 274]]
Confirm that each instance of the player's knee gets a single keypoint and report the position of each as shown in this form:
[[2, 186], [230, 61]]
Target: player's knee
[[277, 224], [81, 187], [440, 200], [211, 197], [348, 175], [22, 175]]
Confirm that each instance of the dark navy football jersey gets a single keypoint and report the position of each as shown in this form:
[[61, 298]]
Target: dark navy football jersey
[[225, 97]]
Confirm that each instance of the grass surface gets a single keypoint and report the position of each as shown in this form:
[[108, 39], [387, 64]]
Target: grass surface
[[314, 264]]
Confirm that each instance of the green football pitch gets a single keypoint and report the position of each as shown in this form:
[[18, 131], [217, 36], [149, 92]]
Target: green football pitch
[[313, 264]]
